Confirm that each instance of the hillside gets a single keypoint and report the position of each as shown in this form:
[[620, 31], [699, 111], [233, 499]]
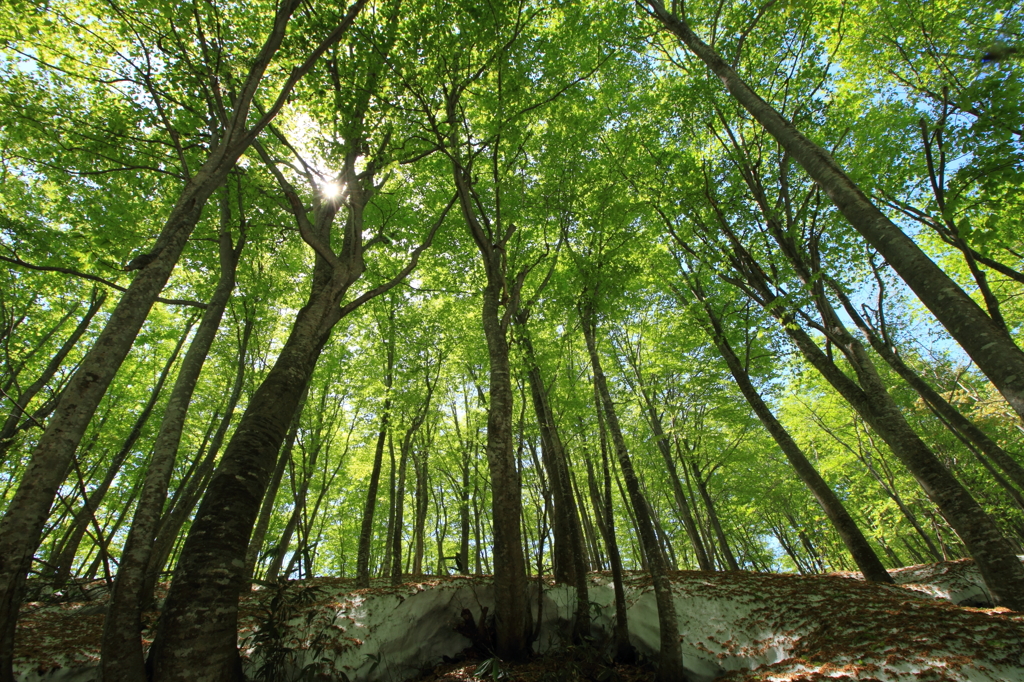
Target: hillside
[[734, 626]]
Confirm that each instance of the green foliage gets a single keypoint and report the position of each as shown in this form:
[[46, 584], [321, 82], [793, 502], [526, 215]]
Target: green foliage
[[621, 174]]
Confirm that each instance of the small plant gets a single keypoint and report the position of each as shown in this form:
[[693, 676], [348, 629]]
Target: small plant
[[274, 647], [491, 669]]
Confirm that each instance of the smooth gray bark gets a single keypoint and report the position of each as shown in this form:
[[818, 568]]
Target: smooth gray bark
[[670, 660], [122, 658]]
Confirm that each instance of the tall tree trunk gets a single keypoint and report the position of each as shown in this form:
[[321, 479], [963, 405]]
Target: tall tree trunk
[[84, 517], [274, 570], [569, 553], [716, 524], [654, 419], [511, 608], [465, 527], [670, 661], [889, 488], [478, 559], [252, 554], [398, 525], [639, 549], [198, 627], [301, 480], [983, 339], [121, 651], [663, 538], [830, 503], [406, 452], [385, 563], [605, 512], [26, 514], [960, 425], [14, 368], [1000, 569], [597, 562], [993, 554], [464, 520], [190, 489], [500, 301], [366, 529], [562, 552], [420, 462]]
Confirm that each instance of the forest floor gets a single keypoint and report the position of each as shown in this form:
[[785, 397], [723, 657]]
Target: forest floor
[[735, 626]]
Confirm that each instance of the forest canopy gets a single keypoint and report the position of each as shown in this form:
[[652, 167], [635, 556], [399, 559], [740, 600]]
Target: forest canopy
[[511, 287]]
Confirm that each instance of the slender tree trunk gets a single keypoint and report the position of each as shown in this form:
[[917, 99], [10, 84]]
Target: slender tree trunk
[[385, 564], [464, 520], [190, 489], [11, 424], [252, 554], [477, 532], [562, 552], [605, 512], [28, 510], [398, 527], [591, 543], [812, 551], [407, 451], [14, 369], [983, 339], [95, 499], [639, 550], [274, 570], [366, 530], [663, 540], [1000, 569], [122, 656], [420, 461], [670, 664], [300, 491], [844, 524], [569, 551], [960, 425], [677, 489], [993, 554], [716, 524], [893, 494]]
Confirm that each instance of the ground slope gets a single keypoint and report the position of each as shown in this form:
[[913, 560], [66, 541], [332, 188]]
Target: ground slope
[[733, 626]]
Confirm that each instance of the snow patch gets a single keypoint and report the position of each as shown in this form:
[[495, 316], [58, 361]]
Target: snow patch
[[958, 582], [733, 625]]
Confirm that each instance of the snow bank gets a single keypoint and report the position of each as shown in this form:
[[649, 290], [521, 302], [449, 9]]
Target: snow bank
[[958, 582], [743, 626]]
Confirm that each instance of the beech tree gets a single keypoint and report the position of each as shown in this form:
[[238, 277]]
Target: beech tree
[[506, 287]]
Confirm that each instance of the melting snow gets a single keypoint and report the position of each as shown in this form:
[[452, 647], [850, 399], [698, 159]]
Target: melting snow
[[734, 626]]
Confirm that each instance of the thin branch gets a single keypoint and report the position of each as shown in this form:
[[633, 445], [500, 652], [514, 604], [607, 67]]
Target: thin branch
[[96, 278]]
